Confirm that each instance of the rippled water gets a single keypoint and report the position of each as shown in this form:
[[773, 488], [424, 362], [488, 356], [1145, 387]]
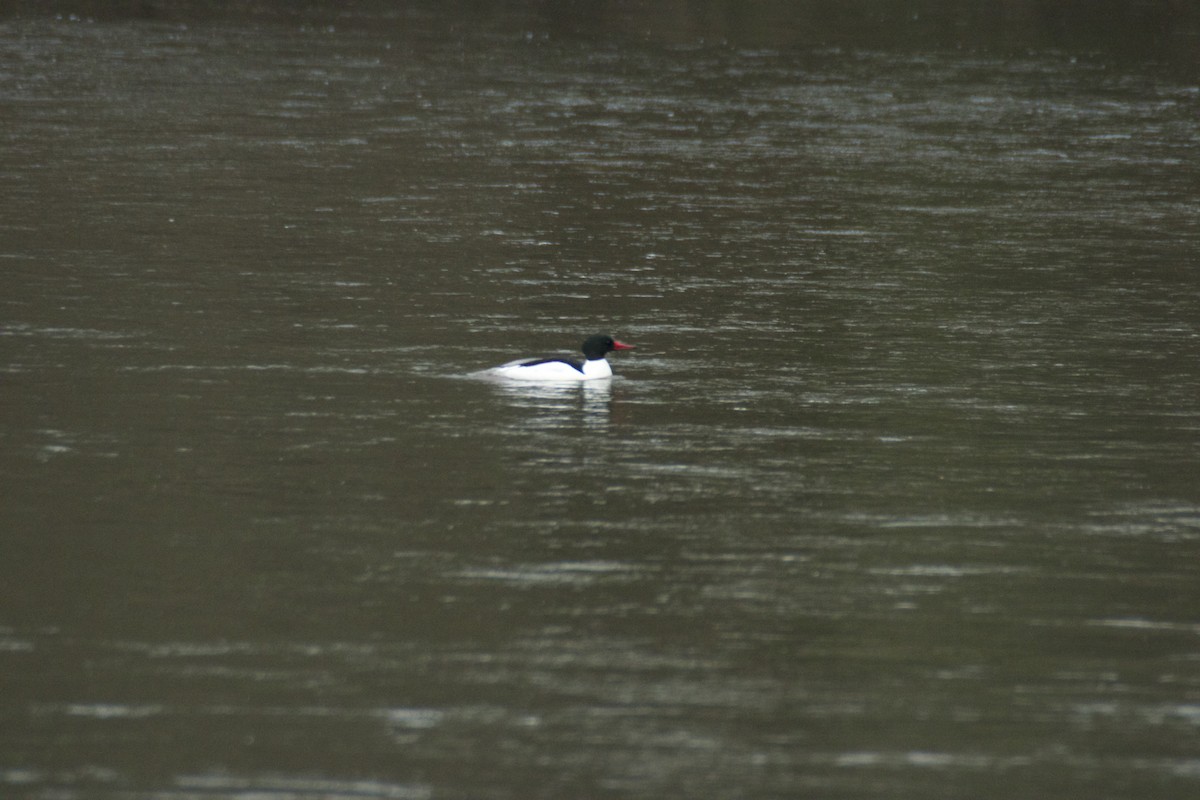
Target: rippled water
[[897, 496]]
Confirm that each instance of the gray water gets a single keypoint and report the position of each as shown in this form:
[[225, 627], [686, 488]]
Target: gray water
[[897, 496]]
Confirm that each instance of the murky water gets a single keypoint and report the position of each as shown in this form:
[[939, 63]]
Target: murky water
[[897, 496]]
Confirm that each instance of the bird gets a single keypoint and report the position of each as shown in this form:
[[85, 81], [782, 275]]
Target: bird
[[565, 370]]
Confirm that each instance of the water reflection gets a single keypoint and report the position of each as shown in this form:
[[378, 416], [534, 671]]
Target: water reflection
[[587, 403]]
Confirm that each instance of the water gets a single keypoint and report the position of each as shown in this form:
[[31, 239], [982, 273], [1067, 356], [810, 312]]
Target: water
[[896, 497]]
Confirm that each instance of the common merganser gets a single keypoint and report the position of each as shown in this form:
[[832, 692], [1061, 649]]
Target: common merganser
[[563, 369]]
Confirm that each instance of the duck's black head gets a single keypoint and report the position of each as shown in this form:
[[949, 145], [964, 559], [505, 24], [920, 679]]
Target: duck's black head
[[600, 345]]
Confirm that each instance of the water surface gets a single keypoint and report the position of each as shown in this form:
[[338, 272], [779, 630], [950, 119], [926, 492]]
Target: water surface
[[896, 497]]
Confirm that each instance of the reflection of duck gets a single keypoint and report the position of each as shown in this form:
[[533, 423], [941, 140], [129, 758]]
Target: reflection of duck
[[593, 397], [561, 370]]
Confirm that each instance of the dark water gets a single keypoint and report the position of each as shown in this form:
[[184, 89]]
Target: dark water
[[897, 497]]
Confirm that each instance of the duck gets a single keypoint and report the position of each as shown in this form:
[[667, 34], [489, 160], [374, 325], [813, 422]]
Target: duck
[[594, 365]]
